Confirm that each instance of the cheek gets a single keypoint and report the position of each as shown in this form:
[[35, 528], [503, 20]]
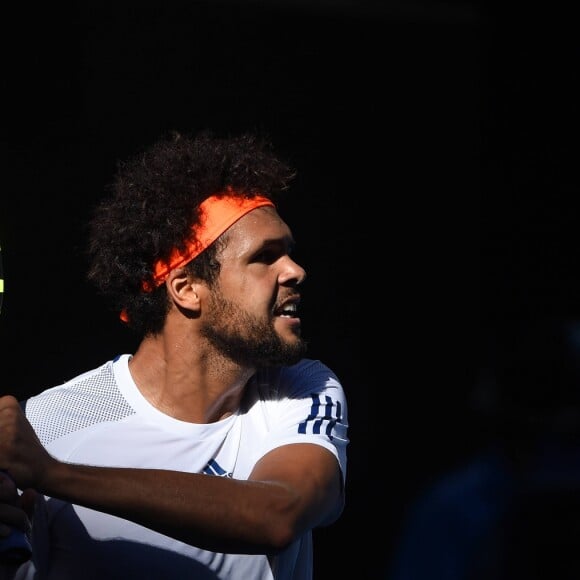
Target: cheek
[[253, 288], [240, 293]]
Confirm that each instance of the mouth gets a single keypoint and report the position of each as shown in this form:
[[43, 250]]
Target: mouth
[[289, 309]]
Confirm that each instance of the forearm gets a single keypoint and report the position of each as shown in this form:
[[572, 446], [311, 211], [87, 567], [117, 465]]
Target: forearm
[[290, 490], [214, 513]]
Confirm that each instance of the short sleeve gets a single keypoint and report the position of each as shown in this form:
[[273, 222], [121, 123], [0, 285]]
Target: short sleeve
[[311, 407]]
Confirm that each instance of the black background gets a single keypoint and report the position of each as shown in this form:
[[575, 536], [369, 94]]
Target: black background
[[436, 149]]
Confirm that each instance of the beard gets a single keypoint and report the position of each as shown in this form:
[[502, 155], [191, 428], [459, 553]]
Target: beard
[[247, 340]]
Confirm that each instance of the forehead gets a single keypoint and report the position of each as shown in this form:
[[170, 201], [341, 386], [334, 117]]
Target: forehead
[[261, 225], [260, 221]]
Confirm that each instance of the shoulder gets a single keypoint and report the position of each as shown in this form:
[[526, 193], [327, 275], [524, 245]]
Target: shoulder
[[307, 377], [89, 398], [301, 403], [95, 380], [300, 395]]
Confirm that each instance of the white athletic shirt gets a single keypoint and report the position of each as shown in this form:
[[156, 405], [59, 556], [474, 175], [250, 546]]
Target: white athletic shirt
[[100, 418]]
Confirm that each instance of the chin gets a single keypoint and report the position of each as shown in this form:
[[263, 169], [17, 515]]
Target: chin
[[291, 339]]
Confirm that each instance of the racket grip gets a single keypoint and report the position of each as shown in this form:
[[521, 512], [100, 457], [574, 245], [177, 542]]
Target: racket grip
[[15, 548]]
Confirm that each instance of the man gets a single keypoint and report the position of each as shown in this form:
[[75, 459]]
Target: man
[[215, 449]]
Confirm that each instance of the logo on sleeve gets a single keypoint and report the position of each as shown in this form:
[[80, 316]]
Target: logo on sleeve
[[323, 417], [214, 468]]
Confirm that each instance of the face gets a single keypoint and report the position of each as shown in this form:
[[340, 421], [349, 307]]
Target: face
[[252, 313]]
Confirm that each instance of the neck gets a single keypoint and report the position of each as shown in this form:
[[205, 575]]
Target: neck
[[188, 381]]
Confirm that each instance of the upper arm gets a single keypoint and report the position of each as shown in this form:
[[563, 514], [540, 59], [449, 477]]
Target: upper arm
[[303, 458], [312, 475]]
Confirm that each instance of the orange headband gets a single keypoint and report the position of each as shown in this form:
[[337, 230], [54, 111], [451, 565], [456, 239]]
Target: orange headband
[[218, 213]]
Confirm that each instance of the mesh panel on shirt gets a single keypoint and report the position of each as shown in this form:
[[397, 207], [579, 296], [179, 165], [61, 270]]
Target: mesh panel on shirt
[[93, 399]]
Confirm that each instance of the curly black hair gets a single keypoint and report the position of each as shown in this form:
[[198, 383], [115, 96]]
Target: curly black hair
[[153, 204]]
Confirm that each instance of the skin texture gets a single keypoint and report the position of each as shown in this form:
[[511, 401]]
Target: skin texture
[[195, 369]]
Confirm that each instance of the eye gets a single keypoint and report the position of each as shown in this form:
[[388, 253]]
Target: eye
[[266, 256], [271, 251]]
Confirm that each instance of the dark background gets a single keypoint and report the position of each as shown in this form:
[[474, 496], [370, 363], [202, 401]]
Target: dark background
[[436, 147]]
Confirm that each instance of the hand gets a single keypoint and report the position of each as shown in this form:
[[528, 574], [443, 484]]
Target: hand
[[22, 455]]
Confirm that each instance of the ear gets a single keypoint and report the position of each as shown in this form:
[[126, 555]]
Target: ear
[[183, 290]]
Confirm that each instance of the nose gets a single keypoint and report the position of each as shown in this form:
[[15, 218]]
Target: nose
[[292, 272]]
